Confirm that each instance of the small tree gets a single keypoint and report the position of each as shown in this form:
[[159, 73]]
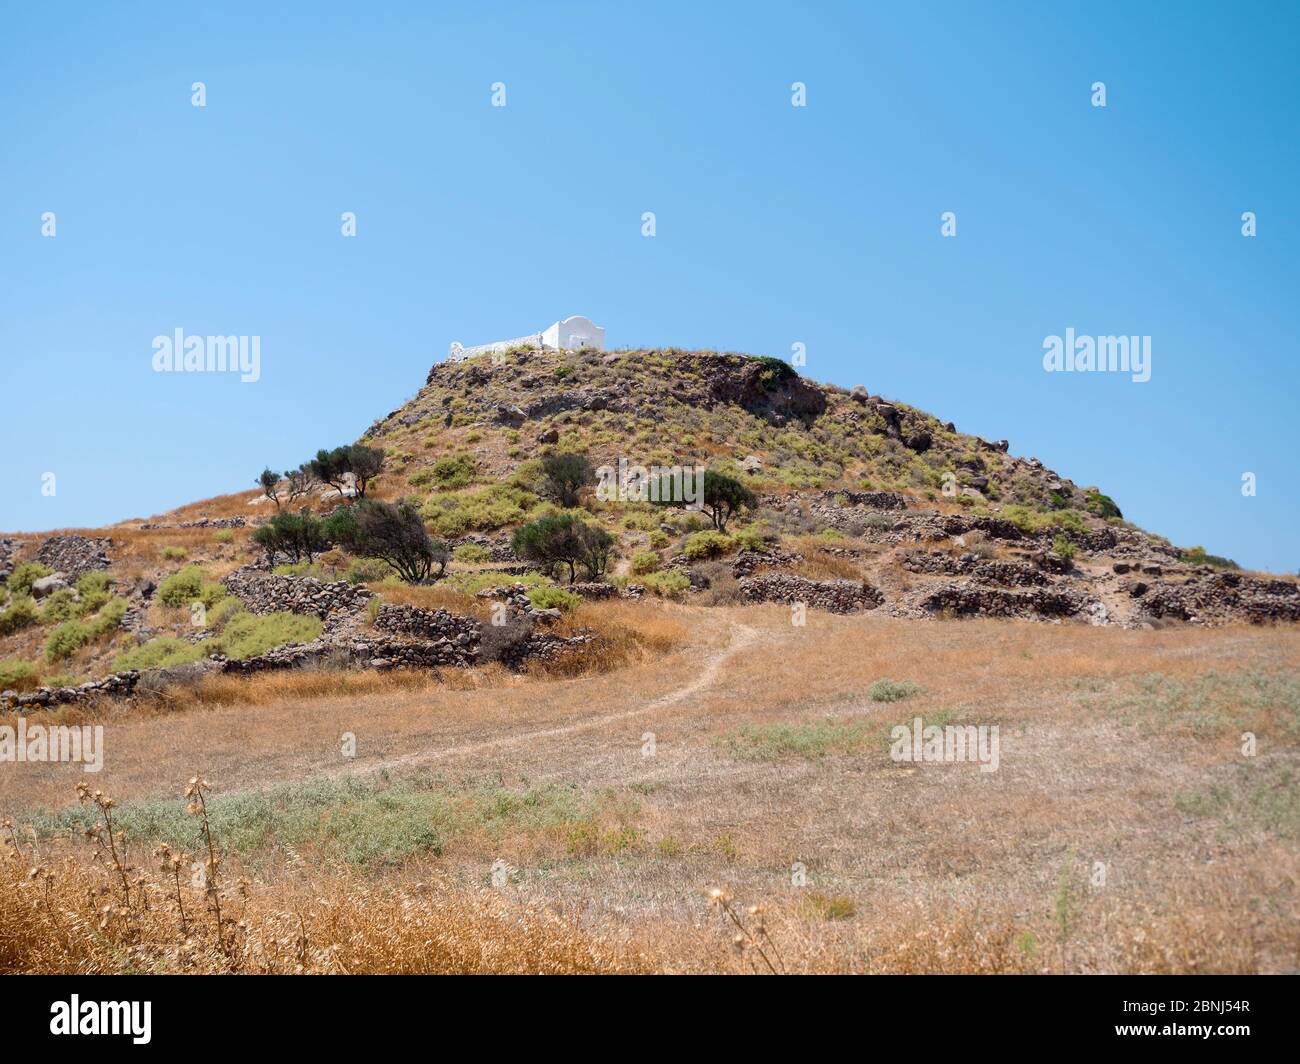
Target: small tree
[[269, 482], [300, 482], [565, 540], [720, 495], [364, 463], [331, 467], [564, 477], [392, 532], [599, 545], [297, 536], [724, 496]]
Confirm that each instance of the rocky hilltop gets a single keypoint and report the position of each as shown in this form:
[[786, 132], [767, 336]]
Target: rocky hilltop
[[848, 503]]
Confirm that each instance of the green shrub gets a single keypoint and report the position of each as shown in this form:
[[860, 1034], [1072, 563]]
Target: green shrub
[[659, 539], [479, 509], [1101, 505], [222, 612], [367, 570], [163, 652], [188, 586], [225, 535], [473, 583], [892, 690], [554, 598], [14, 672], [21, 613], [455, 471], [24, 576], [644, 561], [93, 589], [73, 635], [1064, 547], [59, 607], [750, 538], [1198, 556], [1028, 520], [246, 635], [472, 553], [181, 588], [173, 554], [707, 544], [671, 584]]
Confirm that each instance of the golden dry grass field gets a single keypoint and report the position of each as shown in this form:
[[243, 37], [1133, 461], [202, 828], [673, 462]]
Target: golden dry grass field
[[550, 822]]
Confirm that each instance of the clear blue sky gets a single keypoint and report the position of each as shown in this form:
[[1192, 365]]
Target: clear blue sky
[[775, 225]]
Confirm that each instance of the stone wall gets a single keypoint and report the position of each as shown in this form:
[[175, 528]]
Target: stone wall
[[427, 624], [74, 555], [119, 683], [262, 593], [969, 599], [836, 596]]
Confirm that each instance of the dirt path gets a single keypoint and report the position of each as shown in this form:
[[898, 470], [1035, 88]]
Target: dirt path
[[742, 636]]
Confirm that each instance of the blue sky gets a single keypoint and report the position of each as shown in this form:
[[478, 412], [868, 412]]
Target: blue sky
[[775, 225]]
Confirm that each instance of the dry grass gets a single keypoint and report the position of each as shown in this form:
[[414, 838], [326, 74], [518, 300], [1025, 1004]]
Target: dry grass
[[1119, 747]]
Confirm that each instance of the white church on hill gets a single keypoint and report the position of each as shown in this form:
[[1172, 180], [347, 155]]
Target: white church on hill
[[568, 335]]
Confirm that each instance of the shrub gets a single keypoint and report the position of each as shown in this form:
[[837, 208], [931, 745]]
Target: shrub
[[557, 598], [1064, 547], [367, 570], [472, 553], [173, 554], [659, 539], [671, 584], [1198, 556], [644, 561], [707, 544], [59, 607], [21, 613], [1101, 505], [224, 535], [246, 635], [1028, 520], [892, 691], [93, 589], [16, 674], [222, 612], [750, 538], [774, 372], [455, 471], [481, 509], [183, 587], [73, 635], [24, 576], [164, 652]]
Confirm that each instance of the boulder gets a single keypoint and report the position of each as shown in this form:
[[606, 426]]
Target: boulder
[[47, 585]]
